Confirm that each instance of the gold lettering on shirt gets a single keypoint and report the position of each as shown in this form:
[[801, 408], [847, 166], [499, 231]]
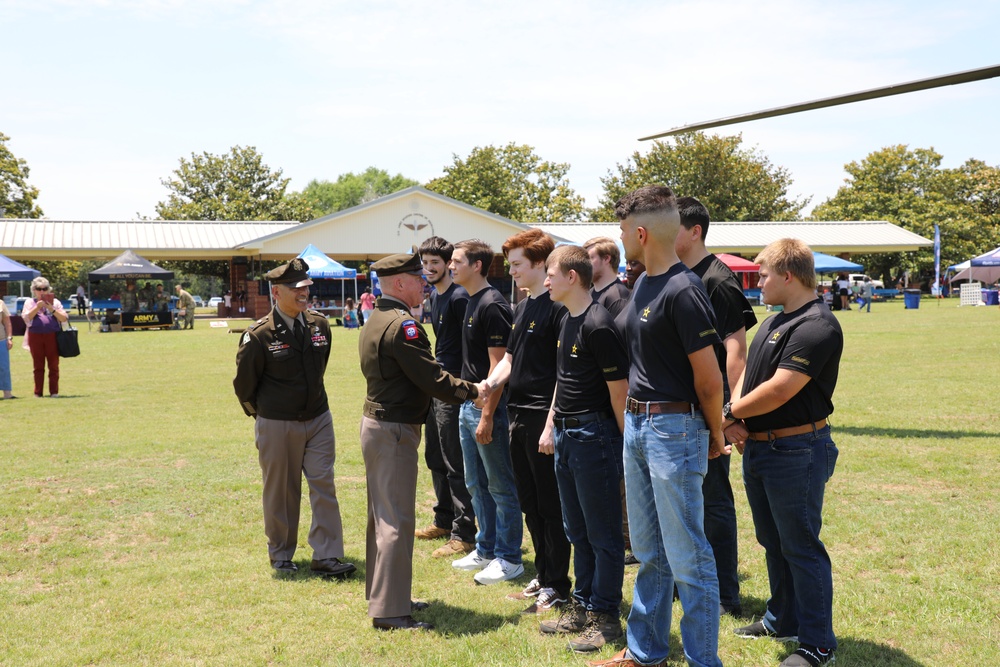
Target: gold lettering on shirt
[[706, 332], [800, 360]]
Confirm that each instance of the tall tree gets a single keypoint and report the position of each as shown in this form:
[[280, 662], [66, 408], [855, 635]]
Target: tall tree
[[234, 186], [513, 182], [733, 182], [350, 189], [17, 198], [911, 189]]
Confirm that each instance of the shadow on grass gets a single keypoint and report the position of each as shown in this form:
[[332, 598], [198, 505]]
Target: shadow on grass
[[451, 620], [910, 432]]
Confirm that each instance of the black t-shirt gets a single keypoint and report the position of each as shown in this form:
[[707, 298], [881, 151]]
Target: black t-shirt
[[486, 324], [809, 341], [532, 346], [447, 314], [732, 310], [590, 355], [613, 297], [668, 318]]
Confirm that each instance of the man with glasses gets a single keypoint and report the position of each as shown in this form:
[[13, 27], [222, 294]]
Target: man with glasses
[[279, 382]]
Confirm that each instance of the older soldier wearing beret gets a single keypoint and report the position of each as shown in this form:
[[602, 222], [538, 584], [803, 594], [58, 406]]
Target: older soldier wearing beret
[[402, 377], [279, 382]]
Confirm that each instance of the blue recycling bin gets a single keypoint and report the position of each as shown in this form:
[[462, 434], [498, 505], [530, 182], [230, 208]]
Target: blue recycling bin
[[911, 298], [990, 297]]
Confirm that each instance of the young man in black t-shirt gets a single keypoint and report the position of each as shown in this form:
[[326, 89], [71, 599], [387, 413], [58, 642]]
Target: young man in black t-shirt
[[734, 317], [608, 290], [484, 434], [454, 517], [587, 412], [530, 368], [778, 418], [673, 425]]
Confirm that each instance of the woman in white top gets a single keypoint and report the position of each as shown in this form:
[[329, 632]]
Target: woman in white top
[[43, 316]]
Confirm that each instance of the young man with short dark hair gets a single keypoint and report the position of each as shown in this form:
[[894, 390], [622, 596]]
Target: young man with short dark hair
[[673, 426], [454, 517], [489, 473], [778, 420], [734, 317], [588, 412]]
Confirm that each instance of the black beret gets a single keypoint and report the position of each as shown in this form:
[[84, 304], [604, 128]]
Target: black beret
[[293, 274], [395, 264]]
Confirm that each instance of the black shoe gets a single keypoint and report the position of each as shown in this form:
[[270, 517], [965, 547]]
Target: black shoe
[[734, 610], [418, 605], [285, 566], [332, 567], [630, 558], [400, 623]]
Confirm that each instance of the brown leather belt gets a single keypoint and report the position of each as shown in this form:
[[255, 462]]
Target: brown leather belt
[[656, 407], [774, 434]]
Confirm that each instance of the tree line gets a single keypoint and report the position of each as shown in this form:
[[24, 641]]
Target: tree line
[[905, 186]]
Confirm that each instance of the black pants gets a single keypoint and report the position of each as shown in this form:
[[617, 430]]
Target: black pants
[[443, 455], [720, 528], [538, 493]]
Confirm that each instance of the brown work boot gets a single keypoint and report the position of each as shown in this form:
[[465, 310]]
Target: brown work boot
[[621, 659], [431, 532], [601, 628], [572, 619], [453, 548]]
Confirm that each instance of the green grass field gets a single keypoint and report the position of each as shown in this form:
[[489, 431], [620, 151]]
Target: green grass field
[[132, 531]]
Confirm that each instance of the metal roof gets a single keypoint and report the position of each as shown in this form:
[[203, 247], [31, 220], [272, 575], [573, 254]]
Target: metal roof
[[748, 238], [157, 239]]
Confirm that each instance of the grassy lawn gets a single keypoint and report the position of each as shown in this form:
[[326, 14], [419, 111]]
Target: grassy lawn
[[131, 530]]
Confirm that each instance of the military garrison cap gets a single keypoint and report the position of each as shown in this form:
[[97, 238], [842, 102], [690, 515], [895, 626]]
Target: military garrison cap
[[395, 264], [292, 274]]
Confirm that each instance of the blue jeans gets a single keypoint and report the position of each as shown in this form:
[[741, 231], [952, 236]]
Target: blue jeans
[[4, 366], [588, 472], [785, 480], [666, 457], [489, 476]]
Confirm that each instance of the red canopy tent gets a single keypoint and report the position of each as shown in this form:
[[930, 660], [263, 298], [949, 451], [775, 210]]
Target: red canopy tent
[[739, 265]]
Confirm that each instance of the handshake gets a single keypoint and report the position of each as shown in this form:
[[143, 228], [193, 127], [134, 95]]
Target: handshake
[[485, 389]]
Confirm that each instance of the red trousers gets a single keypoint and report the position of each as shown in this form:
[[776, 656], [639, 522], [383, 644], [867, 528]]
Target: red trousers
[[43, 348]]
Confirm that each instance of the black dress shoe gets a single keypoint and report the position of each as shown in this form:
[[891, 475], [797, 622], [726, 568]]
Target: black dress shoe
[[735, 610], [286, 566], [418, 605], [332, 567], [400, 623]]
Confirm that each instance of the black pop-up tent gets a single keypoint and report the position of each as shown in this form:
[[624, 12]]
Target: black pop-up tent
[[129, 266]]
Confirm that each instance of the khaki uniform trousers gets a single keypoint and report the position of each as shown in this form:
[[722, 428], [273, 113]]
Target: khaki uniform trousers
[[391, 459], [286, 450]]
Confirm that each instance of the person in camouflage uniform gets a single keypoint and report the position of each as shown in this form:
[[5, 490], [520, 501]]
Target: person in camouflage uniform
[[130, 298], [161, 299], [185, 302]]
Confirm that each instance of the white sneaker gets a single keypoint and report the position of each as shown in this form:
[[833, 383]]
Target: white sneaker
[[549, 599], [471, 561], [53, 395], [497, 571]]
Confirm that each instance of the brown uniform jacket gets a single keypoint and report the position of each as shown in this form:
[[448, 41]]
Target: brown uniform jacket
[[400, 369], [277, 378]]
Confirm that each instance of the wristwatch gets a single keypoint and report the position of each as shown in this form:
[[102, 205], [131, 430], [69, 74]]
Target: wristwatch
[[727, 412]]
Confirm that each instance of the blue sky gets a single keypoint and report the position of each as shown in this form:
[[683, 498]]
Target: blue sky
[[103, 97]]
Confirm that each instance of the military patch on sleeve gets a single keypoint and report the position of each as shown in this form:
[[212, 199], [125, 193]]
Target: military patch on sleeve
[[410, 330], [246, 338]]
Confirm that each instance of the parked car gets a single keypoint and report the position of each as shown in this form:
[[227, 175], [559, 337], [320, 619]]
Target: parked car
[[858, 279], [72, 301], [198, 301], [214, 302]]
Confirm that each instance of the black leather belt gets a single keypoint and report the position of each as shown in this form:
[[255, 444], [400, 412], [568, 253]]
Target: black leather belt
[[585, 418], [656, 407]]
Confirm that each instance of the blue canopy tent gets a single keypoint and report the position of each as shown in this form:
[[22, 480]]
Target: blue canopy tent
[[831, 264], [322, 267], [11, 270], [992, 258]]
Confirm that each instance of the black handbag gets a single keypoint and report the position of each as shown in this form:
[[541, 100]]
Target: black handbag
[[67, 342]]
